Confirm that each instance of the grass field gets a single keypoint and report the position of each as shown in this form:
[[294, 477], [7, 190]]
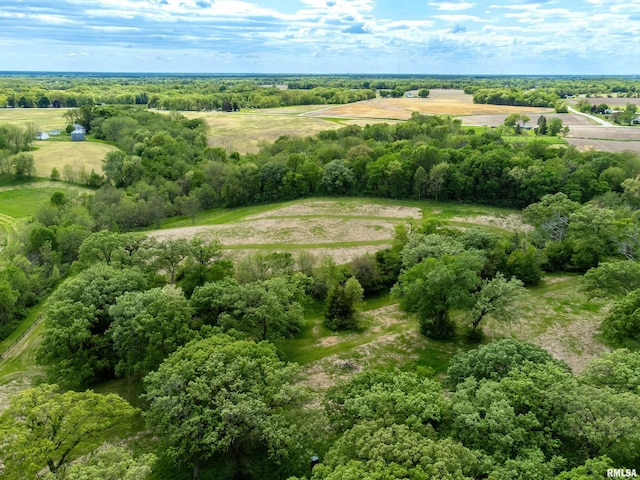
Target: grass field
[[76, 154], [19, 201], [45, 119]]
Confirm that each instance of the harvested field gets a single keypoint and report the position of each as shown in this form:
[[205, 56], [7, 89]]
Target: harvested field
[[497, 120], [337, 207], [439, 102], [77, 154], [605, 133], [288, 231], [244, 132], [615, 146]]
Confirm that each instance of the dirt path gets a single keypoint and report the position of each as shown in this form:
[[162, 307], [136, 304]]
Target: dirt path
[[602, 122]]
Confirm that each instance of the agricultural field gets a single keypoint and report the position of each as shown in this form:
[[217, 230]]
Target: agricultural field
[[78, 155]]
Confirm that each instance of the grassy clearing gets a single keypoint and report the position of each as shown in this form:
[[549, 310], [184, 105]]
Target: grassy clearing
[[45, 119], [528, 139], [87, 155], [559, 318], [25, 202]]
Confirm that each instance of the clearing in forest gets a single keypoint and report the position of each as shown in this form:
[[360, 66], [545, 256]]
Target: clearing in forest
[[77, 155]]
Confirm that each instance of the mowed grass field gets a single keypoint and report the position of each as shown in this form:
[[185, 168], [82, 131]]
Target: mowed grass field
[[57, 151], [78, 155], [18, 203], [45, 119]]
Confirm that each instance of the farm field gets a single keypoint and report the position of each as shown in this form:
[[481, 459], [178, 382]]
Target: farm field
[[78, 155]]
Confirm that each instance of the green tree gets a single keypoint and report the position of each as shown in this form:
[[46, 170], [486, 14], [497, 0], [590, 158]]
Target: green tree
[[388, 398], [423, 93], [75, 348], [555, 126], [23, 164], [623, 320], [542, 125], [147, 326], [615, 279], [109, 464], [420, 182], [45, 429], [343, 303], [437, 179], [495, 360], [617, 370], [435, 286], [220, 396], [369, 451], [169, 254], [498, 298]]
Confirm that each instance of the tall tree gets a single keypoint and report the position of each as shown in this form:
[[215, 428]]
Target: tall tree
[[220, 396], [147, 326], [435, 286], [45, 429]]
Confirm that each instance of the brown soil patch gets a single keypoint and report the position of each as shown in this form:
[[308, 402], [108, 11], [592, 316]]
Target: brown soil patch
[[342, 209], [510, 222], [614, 146], [287, 231], [497, 120]]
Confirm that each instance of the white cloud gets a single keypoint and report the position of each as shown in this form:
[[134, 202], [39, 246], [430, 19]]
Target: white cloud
[[453, 6]]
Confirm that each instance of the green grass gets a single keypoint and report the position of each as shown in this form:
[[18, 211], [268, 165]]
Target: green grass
[[11, 180], [526, 139], [25, 202]]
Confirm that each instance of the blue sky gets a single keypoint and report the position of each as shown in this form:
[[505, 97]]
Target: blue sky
[[322, 36]]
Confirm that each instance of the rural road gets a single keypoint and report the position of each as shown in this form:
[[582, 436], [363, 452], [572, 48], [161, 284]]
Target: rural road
[[592, 117]]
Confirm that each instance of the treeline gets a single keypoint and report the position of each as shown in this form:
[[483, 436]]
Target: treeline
[[530, 98], [165, 163], [232, 92]]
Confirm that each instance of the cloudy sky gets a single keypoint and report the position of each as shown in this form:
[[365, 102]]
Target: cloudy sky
[[322, 36]]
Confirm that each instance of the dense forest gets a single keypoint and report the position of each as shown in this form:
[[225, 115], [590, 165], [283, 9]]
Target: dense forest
[[202, 339]]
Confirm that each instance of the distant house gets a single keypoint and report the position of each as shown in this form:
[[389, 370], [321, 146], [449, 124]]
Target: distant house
[[78, 134], [42, 136]]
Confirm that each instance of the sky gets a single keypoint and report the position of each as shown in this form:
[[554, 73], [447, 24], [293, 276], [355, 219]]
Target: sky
[[526, 37]]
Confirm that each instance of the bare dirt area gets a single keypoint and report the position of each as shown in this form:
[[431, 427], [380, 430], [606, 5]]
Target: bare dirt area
[[288, 231], [606, 133], [511, 222], [497, 120], [616, 146], [439, 102], [339, 208]]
